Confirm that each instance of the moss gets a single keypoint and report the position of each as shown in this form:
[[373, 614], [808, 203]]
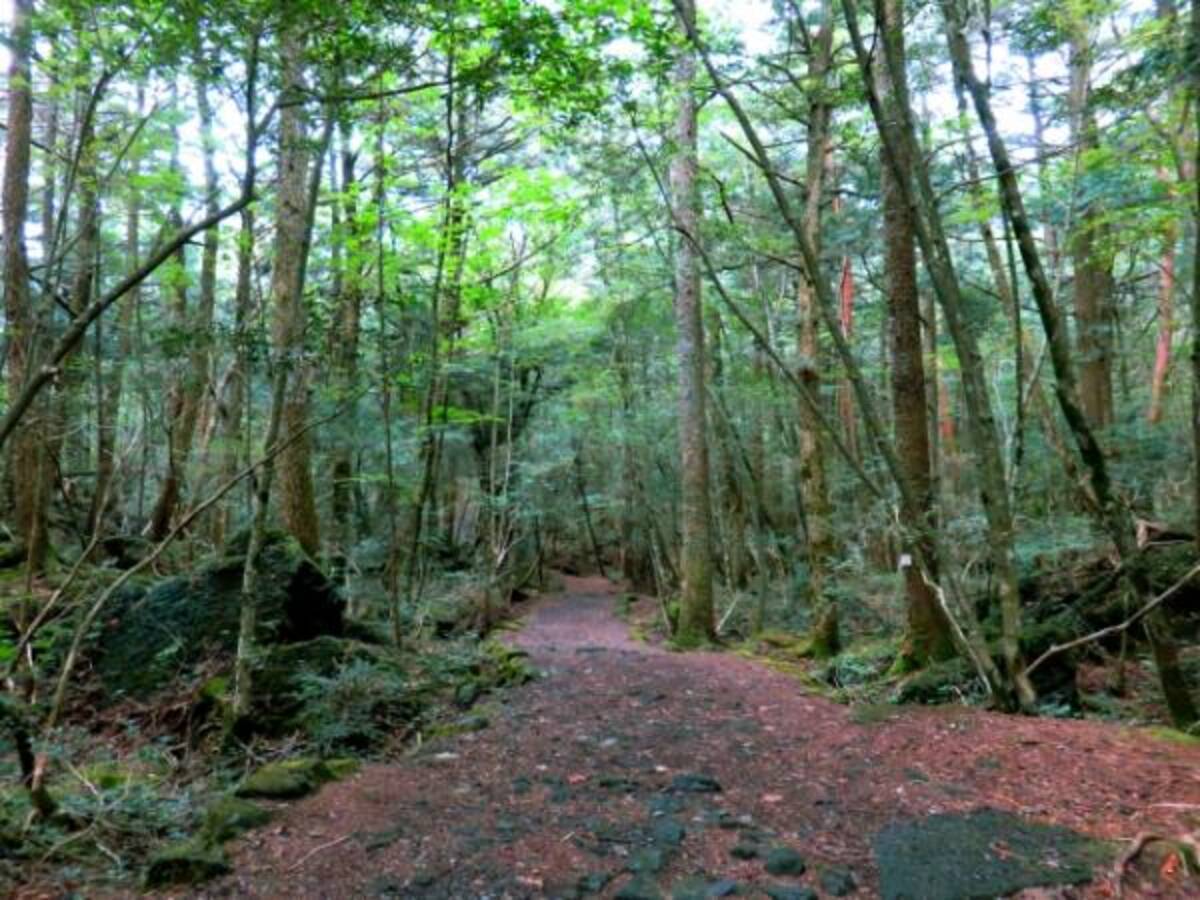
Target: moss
[[153, 635], [341, 767], [230, 817], [873, 713], [285, 780], [188, 862], [936, 683], [1172, 735]]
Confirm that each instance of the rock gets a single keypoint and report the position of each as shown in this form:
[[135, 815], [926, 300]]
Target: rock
[[230, 817], [789, 892], [155, 634], [649, 862], [668, 831], [726, 887], [285, 780], [952, 855], [693, 783], [785, 861], [744, 851], [188, 862], [838, 882], [638, 888], [593, 882]]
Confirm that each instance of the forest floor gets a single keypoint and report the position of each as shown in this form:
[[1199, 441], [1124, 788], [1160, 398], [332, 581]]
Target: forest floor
[[631, 771]]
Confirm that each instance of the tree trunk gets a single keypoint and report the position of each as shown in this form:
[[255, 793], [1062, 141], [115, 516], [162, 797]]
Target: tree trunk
[[696, 623], [928, 634], [823, 629], [296, 498], [20, 319], [1093, 285]]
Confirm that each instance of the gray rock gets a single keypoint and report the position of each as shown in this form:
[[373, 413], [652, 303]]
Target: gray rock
[[785, 861]]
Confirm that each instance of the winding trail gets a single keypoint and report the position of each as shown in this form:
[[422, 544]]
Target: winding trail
[[611, 764]]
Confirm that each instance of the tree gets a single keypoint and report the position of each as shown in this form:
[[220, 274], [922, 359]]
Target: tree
[[928, 635], [696, 594]]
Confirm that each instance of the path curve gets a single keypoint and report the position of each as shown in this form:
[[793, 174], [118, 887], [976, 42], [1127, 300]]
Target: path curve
[[600, 768]]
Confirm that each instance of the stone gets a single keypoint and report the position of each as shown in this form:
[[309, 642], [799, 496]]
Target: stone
[[838, 882], [638, 888], [668, 831], [785, 861], [650, 861], [790, 892], [695, 783], [155, 633], [286, 780], [230, 817], [187, 862], [725, 887], [744, 851], [952, 855], [592, 882]]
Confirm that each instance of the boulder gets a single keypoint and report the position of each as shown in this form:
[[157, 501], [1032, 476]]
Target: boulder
[[158, 633], [187, 862]]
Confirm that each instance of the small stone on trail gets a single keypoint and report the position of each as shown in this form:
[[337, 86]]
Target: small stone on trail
[[787, 892], [593, 882], [785, 861], [726, 887], [669, 832], [693, 783], [838, 882], [639, 888], [744, 851], [651, 861]]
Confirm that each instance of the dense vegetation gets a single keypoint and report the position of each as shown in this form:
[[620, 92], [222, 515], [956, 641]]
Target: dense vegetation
[[862, 334]]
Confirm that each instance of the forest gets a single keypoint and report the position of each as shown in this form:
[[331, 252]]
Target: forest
[[618, 448]]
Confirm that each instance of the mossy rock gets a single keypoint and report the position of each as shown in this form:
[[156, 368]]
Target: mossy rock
[[230, 817], [285, 780], [154, 635], [290, 779], [507, 666], [936, 683], [188, 862], [981, 853], [1172, 735]]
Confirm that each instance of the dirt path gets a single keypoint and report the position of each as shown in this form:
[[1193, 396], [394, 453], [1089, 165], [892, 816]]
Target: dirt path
[[695, 773]]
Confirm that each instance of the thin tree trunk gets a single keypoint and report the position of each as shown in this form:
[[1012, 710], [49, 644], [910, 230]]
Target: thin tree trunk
[[696, 624], [1093, 283], [296, 497], [928, 633], [20, 319], [823, 628]]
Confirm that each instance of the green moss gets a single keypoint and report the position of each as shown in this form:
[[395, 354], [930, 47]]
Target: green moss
[[342, 767], [872, 713], [188, 862], [285, 780], [230, 817], [1172, 735]]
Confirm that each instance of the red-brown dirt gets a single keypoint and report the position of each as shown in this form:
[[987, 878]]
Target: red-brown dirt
[[574, 777]]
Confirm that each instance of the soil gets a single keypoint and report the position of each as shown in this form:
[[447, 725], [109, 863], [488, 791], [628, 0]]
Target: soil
[[631, 771]]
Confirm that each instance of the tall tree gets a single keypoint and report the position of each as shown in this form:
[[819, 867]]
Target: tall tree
[[296, 497], [928, 634], [23, 474], [696, 600], [813, 481], [1091, 258]]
